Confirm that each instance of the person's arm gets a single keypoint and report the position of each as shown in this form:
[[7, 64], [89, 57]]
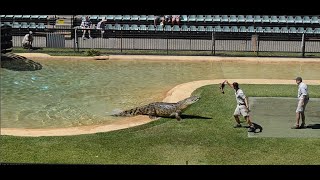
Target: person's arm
[[226, 81], [247, 102]]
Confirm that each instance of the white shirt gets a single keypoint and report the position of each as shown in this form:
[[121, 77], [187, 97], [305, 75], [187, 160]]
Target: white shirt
[[302, 90], [27, 38], [240, 96]]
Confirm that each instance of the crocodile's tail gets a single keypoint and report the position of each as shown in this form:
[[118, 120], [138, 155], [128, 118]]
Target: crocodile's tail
[[130, 112]]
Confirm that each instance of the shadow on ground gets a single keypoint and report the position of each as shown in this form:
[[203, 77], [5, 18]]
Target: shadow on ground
[[193, 117], [313, 126], [18, 63]]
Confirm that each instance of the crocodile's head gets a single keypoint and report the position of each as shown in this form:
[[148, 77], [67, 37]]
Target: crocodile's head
[[186, 102]]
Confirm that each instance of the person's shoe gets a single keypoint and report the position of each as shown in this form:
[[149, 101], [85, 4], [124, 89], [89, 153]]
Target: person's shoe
[[252, 129], [90, 37], [295, 127], [303, 125], [237, 126]]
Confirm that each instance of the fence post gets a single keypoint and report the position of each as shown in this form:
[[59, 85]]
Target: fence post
[[167, 44], [303, 44], [258, 39], [121, 41], [213, 49], [74, 40]]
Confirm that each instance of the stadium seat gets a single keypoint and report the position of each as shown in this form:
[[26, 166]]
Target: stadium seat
[[110, 17], [26, 17], [135, 17], [43, 17], [257, 19], [298, 19], [32, 25], [159, 28], [118, 17], [17, 16], [259, 29], [143, 27], [117, 27], [167, 28], [224, 18], [94, 17], [110, 27], [176, 28], [193, 28], [292, 30], [150, 18], [249, 19], [234, 29], [134, 27], [226, 29], [242, 29], [24, 25], [41, 26], [309, 30], [200, 18], [184, 28], [9, 16], [301, 30], [276, 30], [265, 19], [142, 18], [267, 30], [208, 18], [209, 28], [284, 30], [273, 19], [316, 30], [3, 16], [315, 20], [201, 28], [290, 19], [233, 19], [241, 19], [126, 18], [16, 25], [217, 29], [251, 29], [151, 27], [34, 16], [191, 18], [184, 18], [216, 18], [306, 20], [126, 27], [282, 19]]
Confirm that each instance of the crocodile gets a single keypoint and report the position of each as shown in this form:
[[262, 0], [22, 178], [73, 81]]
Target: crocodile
[[161, 109]]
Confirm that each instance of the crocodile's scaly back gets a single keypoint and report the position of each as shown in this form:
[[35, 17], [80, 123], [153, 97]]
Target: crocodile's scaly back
[[160, 109]]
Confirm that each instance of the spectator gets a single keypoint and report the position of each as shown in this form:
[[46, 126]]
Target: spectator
[[101, 26], [175, 18], [157, 19], [86, 24], [27, 41]]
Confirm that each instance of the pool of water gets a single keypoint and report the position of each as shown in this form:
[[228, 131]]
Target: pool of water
[[79, 92]]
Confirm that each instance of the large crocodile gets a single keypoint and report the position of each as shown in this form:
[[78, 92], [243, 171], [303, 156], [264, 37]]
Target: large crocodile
[[161, 109]]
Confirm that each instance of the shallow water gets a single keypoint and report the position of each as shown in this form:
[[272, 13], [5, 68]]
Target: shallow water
[[79, 92]]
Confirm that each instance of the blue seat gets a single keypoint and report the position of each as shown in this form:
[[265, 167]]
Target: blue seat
[[126, 27], [184, 28], [284, 30], [208, 18], [282, 19], [290, 19], [184, 18], [24, 25], [34, 16], [309, 30], [10, 16], [143, 18], [233, 19], [292, 30], [249, 19], [273, 19], [43, 17], [234, 29], [209, 29], [315, 20], [201, 28], [17, 16], [16, 25], [306, 20], [142, 27], [216, 18], [118, 17], [126, 18], [298, 19], [32, 25], [251, 29], [150, 18], [193, 28], [110, 27], [224, 18], [259, 29], [276, 30], [267, 30], [200, 18], [192, 18], [316, 30], [94, 17], [41, 26], [301, 30], [217, 29], [257, 19], [135, 17], [110, 17], [134, 27], [265, 19], [26, 17], [226, 29], [242, 29], [241, 19], [151, 27], [3, 16], [167, 28], [159, 28], [176, 28]]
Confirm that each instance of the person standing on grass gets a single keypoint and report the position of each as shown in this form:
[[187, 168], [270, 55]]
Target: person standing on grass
[[303, 99], [242, 107]]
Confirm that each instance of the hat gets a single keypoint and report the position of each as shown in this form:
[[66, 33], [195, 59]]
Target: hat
[[30, 32], [298, 79]]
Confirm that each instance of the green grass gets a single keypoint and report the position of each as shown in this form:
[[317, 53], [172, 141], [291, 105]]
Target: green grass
[[83, 52], [167, 141]]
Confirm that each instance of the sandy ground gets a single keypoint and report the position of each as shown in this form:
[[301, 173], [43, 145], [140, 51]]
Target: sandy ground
[[178, 93]]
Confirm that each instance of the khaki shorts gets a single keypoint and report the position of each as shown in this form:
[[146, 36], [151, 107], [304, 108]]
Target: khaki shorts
[[241, 110], [301, 107]]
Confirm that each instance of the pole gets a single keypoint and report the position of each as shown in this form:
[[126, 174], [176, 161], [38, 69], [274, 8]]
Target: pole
[[303, 44], [258, 39], [167, 44], [121, 41]]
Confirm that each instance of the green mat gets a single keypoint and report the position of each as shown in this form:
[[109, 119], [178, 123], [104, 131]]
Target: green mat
[[276, 115]]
